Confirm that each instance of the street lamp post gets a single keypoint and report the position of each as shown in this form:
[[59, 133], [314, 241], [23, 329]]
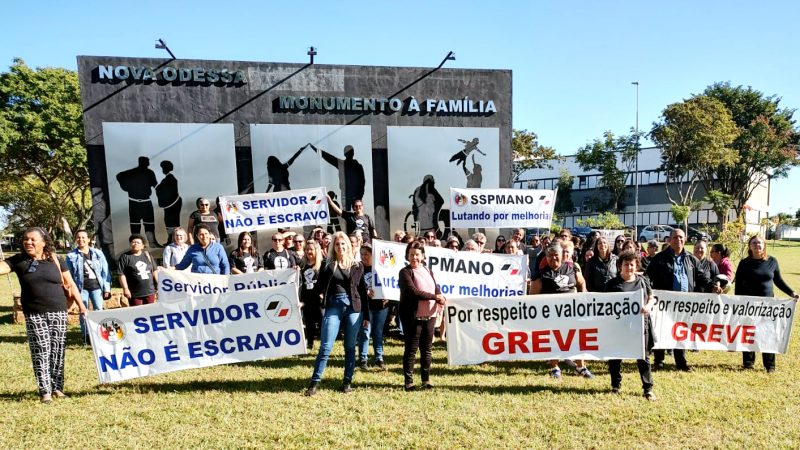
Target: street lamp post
[[636, 191]]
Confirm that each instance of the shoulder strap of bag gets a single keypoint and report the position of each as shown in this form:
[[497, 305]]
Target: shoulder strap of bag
[[208, 262]]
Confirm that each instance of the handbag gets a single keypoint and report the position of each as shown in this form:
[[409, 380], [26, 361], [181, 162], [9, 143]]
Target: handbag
[[68, 286]]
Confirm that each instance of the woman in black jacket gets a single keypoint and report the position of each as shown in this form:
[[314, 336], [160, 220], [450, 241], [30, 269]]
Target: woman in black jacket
[[341, 285], [601, 268], [419, 300], [755, 276]]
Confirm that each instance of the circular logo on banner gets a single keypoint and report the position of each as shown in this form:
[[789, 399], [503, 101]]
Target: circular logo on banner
[[386, 258], [460, 199], [509, 269], [278, 308], [111, 330], [232, 208]]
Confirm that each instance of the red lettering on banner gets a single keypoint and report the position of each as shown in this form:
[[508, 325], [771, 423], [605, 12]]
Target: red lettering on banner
[[748, 334], [494, 347], [682, 331], [697, 332], [587, 339], [715, 333], [562, 344], [539, 340], [517, 339]]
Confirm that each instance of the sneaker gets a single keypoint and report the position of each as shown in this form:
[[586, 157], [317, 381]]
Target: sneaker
[[427, 386], [409, 388], [46, 398], [584, 372], [555, 373], [312, 389], [346, 388], [59, 394], [379, 364], [650, 396], [615, 390], [363, 365], [770, 370]]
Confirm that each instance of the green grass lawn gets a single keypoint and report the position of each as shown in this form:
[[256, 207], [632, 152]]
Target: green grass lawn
[[506, 405]]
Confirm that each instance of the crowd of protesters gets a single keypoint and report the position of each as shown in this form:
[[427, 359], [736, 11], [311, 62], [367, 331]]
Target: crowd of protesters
[[336, 285]]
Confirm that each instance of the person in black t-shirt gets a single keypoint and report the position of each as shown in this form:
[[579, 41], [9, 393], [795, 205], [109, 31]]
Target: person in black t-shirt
[[42, 278], [356, 219], [279, 257], [138, 273], [245, 258], [203, 215], [627, 280], [755, 276]]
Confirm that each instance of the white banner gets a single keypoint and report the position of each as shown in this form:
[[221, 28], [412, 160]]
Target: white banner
[[458, 274], [198, 332], [501, 208], [176, 285], [722, 322], [542, 327], [282, 209]]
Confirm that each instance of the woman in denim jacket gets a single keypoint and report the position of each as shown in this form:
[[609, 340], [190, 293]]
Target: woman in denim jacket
[[89, 269]]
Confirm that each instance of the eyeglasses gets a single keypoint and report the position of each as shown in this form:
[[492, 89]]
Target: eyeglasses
[[481, 242], [299, 241], [276, 239], [501, 239], [33, 266], [205, 204]]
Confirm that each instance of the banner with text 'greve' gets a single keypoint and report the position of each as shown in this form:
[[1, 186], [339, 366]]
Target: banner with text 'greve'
[[458, 274], [176, 285], [542, 327], [201, 331], [284, 209], [501, 208], [722, 322]]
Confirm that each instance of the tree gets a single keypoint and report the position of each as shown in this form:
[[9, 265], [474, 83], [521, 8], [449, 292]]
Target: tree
[[767, 141], [721, 203], [605, 156], [605, 221], [564, 203], [694, 136], [527, 153], [44, 180]]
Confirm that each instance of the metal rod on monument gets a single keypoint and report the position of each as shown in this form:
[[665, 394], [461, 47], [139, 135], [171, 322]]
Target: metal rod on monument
[[161, 45]]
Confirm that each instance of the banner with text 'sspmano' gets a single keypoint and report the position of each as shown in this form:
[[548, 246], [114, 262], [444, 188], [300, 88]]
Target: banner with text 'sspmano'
[[284, 209], [458, 274], [501, 208], [200, 331], [699, 321], [585, 325]]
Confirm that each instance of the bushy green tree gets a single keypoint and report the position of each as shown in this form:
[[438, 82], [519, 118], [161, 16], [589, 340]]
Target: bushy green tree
[[44, 180], [527, 153], [605, 156]]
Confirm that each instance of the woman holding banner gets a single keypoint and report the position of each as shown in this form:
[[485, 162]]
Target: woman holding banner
[[309, 298], [207, 255], [557, 278], [419, 300], [44, 279], [245, 258], [341, 284], [629, 280], [755, 276]]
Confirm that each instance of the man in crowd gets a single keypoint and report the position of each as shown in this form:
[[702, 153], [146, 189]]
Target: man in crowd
[[356, 219], [677, 270], [519, 236], [279, 257]]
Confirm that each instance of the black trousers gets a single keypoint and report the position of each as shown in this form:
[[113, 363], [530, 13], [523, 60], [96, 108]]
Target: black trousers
[[312, 319], [615, 370], [418, 335], [749, 359], [678, 354]]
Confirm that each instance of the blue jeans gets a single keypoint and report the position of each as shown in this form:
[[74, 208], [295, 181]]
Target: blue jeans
[[96, 295], [337, 314], [376, 321]]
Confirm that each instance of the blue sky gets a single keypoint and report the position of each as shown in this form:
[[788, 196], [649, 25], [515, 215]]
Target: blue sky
[[573, 61]]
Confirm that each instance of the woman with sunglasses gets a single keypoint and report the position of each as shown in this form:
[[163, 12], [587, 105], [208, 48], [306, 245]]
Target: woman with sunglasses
[[43, 278], [203, 215], [500, 244]]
